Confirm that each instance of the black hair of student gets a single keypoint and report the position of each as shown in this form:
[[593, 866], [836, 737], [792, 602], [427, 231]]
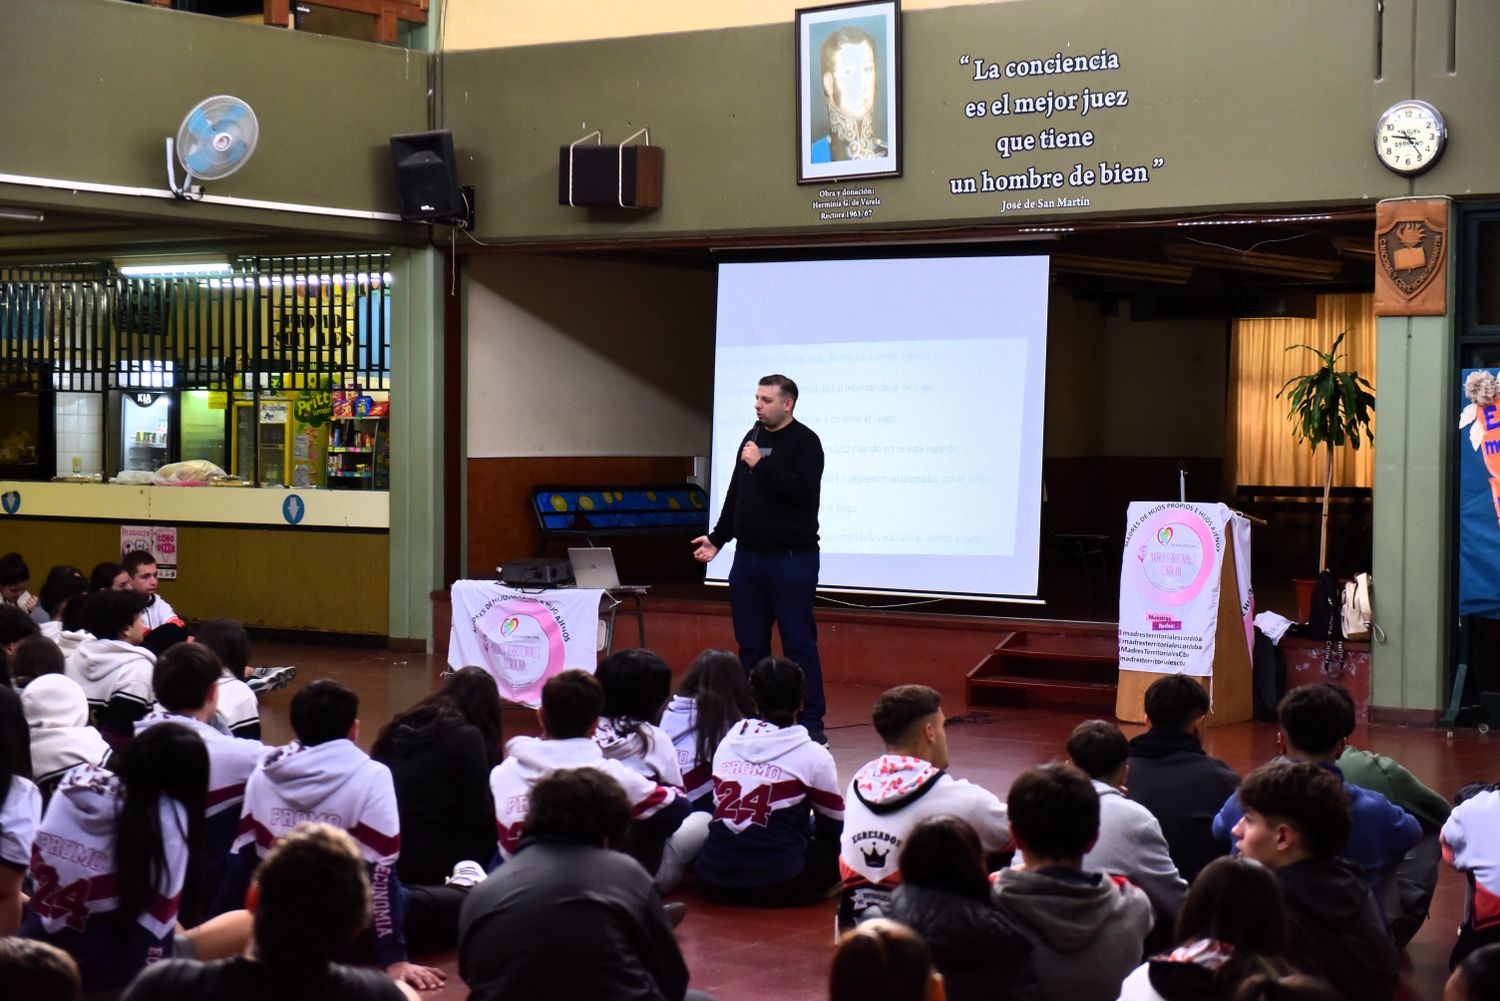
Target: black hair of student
[[313, 898], [107, 614], [1174, 701], [468, 696], [778, 687], [1098, 748], [34, 657], [578, 804], [720, 690], [72, 613], [15, 625], [230, 643], [898, 709], [880, 960], [13, 570], [1054, 810], [33, 970], [571, 703], [1238, 902], [15, 741], [184, 676], [636, 684], [787, 386], [102, 577], [166, 761], [135, 559], [1315, 718], [62, 585], [1295, 987], [1352, 710], [944, 853], [1480, 973], [1309, 797], [325, 710]]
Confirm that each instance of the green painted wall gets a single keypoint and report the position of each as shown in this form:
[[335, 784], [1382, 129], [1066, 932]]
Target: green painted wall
[[1267, 103]]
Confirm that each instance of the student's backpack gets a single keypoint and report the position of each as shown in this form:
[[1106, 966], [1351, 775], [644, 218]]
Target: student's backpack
[[1325, 620], [1355, 614]]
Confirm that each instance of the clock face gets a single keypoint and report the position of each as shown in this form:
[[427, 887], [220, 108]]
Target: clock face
[[1410, 136]]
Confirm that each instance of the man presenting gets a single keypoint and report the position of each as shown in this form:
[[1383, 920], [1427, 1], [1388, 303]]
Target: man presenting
[[771, 507]]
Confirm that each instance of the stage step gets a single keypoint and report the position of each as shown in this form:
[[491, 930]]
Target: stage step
[[1050, 665]]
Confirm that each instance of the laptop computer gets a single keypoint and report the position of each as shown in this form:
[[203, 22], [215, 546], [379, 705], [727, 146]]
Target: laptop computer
[[594, 566]]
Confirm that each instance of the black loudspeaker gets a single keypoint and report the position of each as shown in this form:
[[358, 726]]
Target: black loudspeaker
[[427, 177], [627, 177]]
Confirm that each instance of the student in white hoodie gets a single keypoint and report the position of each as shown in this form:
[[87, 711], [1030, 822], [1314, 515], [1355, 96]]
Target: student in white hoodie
[[58, 716], [571, 704], [113, 671], [1131, 843], [239, 709], [323, 776], [772, 782], [63, 584], [186, 684], [714, 694], [891, 795], [1086, 928], [20, 810], [141, 566]]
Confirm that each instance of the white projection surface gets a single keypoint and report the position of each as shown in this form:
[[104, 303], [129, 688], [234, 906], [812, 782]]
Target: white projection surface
[[925, 379]]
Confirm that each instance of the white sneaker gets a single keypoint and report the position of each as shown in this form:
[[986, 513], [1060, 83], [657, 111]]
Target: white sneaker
[[268, 679], [466, 874]]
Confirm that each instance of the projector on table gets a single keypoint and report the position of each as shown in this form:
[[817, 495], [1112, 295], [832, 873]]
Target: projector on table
[[536, 572]]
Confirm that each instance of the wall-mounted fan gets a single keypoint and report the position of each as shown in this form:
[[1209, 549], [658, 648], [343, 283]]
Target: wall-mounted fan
[[215, 140]]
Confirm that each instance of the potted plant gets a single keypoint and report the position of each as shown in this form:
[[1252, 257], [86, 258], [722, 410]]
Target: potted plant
[[1328, 407]]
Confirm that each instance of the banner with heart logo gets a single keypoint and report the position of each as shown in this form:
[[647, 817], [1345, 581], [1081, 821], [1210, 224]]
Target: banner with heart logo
[[1171, 581], [523, 638]]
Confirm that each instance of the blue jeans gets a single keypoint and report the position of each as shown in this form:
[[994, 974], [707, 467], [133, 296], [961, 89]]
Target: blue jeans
[[778, 588]]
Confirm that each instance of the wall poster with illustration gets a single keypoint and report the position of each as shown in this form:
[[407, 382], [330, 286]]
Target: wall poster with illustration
[[849, 91]]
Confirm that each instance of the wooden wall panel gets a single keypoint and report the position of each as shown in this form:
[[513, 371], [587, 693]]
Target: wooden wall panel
[[335, 582], [502, 527]]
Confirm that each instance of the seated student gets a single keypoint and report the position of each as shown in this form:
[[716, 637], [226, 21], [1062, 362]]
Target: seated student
[[1314, 728], [713, 695], [323, 775], [1086, 929], [1130, 840], [1171, 776], [891, 795], [187, 693], [944, 897], [112, 669], [1471, 844], [566, 917], [883, 960], [311, 898], [571, 702], [109, 577], [14, 578], [1477, 978], [73, 635], [20, 809], [36, 971], [239, 709], [770, 780], [34, 657], [440, 752], [141, 566], [1407, 897], [61, 737], [15, 626], [1297, 820], [63, 584], [1232, 926], [116, 861]]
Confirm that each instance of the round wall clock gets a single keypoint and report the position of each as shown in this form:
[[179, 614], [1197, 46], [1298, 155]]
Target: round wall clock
[[1410, 136]]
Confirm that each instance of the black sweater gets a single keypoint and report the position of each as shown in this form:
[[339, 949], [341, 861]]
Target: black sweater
[[774, 507], [1184, 789]]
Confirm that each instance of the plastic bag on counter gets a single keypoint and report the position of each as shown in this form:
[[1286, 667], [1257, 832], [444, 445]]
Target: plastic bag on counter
[[134, 477], [193, 472]]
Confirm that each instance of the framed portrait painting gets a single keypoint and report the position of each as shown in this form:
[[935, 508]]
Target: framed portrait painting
[[849, 91]]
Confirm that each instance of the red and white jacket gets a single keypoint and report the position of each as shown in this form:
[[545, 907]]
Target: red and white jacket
[[530, 759], [19, 815], [1471, 843], [679, 721], [231, 760], [648, 751]]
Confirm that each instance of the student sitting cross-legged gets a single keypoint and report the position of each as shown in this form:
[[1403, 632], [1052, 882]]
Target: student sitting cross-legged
[[1086, 929], [774, 839], [112, 668], [1296, 821], [311, 898]]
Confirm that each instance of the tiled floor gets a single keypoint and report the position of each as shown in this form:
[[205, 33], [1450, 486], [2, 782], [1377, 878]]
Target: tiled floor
[[747, 955]]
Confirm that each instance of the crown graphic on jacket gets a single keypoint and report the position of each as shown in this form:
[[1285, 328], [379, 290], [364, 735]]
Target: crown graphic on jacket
[[874, 860]]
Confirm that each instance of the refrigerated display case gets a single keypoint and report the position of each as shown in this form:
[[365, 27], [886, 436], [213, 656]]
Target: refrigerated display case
[[145, 431], [264, 424]]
